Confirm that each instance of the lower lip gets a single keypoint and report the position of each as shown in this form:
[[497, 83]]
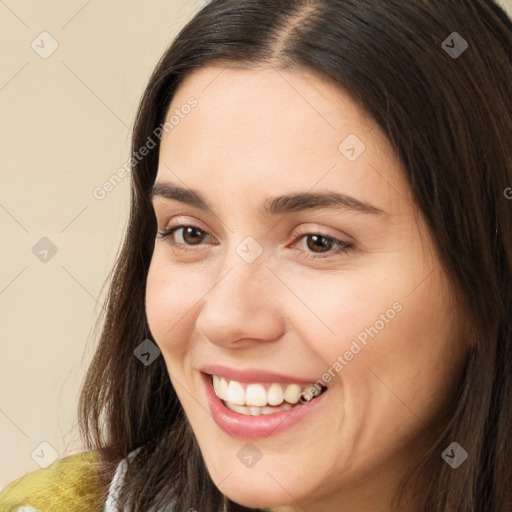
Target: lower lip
[[255, 427]]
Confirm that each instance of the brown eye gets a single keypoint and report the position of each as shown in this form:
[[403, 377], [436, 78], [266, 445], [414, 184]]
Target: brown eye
[[191, 235], [320, 246], [319, 242]]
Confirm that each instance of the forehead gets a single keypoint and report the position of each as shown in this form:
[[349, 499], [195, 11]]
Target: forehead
[[278, 129], [289, 103]]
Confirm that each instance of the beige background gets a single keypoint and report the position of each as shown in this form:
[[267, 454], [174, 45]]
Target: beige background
[[64, 129], [65, 125]]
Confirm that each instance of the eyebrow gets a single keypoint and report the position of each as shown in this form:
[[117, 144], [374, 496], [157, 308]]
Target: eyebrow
[[275, 205]]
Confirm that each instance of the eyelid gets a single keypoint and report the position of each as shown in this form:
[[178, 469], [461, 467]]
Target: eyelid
[[177, 221], [306, 228], [183, 220]]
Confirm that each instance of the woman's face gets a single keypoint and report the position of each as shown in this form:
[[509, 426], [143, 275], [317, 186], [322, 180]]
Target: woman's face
[[350, 294]]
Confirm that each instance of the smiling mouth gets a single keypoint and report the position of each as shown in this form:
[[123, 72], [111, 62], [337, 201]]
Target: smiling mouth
[[255, 399]]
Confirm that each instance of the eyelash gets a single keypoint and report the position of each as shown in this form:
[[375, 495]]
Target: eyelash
[[343, 247]]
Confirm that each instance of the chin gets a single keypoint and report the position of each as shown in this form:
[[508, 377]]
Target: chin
[[261, 487], [253, 495]]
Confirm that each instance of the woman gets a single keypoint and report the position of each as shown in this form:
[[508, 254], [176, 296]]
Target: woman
[[312, 307]]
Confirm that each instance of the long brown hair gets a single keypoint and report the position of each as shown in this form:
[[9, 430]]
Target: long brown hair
[[449, 119]]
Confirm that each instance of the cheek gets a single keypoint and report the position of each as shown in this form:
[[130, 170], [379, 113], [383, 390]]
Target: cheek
[[337, 310], [395, 320], [168, 305], [416, 359]]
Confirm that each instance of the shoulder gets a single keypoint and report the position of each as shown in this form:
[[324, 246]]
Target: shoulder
[[71, 483]]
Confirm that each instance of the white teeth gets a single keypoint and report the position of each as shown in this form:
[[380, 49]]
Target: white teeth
[[256, 411], [270, 410], [256, 395], [238, 408], [220, 386], [275, 394], [235, 393], [291, 395], [216, 387], [223, 388]]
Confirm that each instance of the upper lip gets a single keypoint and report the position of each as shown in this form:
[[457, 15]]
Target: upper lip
[[255, 375]]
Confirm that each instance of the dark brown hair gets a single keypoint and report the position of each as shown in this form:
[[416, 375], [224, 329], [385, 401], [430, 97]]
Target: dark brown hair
[[449, 119]]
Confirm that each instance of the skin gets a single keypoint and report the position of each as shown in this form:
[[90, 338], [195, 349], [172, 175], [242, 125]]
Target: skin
[[261, 132]]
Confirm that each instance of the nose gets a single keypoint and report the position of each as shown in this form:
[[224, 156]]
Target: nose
[[242, 307]]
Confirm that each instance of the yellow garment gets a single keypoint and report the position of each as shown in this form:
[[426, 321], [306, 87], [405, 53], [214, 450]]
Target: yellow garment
[[68, 485]]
